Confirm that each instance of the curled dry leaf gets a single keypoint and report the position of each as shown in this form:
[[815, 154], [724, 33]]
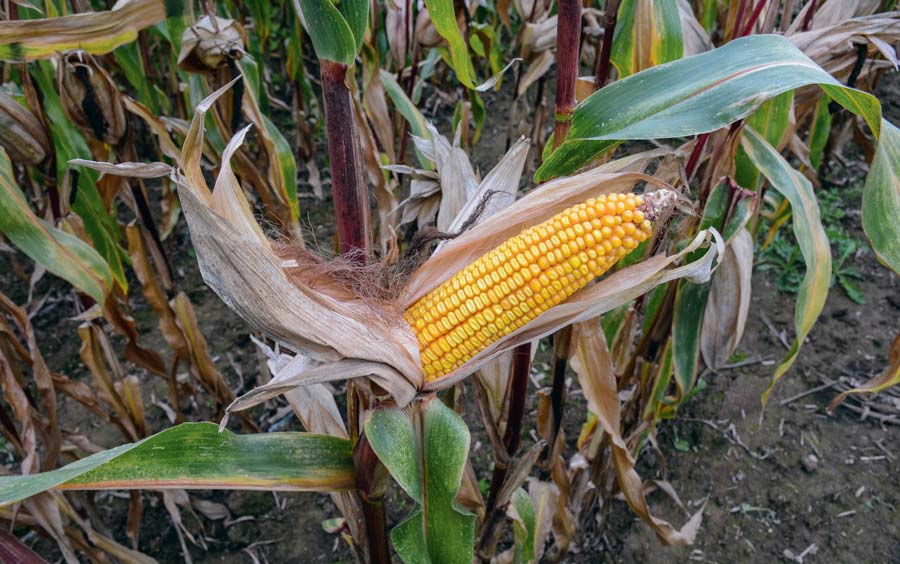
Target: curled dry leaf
[[890, 376], [426, 34], [729, 302], [395, 24], [833, 47]]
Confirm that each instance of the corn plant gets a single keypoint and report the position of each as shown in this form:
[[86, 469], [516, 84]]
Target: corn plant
[[636, 263]]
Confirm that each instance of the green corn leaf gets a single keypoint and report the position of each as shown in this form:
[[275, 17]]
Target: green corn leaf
[[881, 199], [648, 33], [522, 513], [694, 95], [283, 152], [288, 167], [404, 105], [690, 300], [770, 121], [407, 109], [128, 57], [198, 456], [479, 113], [810, 237], [708, 12], [425, 451], [63, 254], [819, 131], [331, 35], [356, 13], [443, 16]]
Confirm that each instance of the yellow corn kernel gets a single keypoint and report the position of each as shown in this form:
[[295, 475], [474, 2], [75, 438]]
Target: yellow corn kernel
[[527, 275]]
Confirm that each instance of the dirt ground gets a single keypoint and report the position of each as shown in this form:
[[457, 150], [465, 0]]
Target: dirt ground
[[799, 485]]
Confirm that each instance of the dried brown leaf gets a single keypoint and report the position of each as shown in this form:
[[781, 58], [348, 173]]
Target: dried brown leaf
[[728, 303], [602, 396]]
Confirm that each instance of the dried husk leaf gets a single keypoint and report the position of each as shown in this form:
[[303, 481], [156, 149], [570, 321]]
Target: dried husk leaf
[[395, 29], [696, 40], [238, 262], [545, 497], [90, 97], [833, 12], [41, 373], [502, 183], [425, 33], [210, 43], [21, 133], [729, 302]]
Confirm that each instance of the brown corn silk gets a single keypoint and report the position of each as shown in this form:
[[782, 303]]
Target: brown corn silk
[[526, 275]]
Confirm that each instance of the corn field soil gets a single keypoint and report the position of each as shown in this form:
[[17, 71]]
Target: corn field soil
[[799, 486]]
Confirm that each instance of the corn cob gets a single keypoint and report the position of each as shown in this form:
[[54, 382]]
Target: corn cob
[[527, 275]]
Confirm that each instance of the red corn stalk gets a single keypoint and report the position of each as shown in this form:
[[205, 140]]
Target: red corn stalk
[[371, 485], [351, 198], [694, 158], [808, 18], [604, 50], [754, 17], [568, 34], [351, 214], [567, 44]]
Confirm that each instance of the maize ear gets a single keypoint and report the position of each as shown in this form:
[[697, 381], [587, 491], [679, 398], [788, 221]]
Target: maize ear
[[527, 275]]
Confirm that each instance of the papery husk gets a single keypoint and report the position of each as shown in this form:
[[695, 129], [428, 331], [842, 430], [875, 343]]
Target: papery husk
[[396, 32], [90, 97], [21, 133], [425, 32], [833, 12], [209, 44], [239, 263]]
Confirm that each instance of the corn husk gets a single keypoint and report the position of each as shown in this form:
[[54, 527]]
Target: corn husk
[[210, 43], [90, 97], [21, 133]]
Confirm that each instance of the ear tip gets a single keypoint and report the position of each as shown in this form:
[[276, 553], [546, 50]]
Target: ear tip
[[657, 203]]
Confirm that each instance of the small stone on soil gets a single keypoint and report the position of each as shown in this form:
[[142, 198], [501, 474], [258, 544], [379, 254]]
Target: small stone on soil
[[810, 463]]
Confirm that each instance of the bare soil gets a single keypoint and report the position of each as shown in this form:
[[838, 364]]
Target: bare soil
[[768, 500]]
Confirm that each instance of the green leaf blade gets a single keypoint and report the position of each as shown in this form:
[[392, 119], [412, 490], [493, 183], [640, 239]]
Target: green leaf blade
[[443, 16], [811, 238], [697, 94], [197, 455], [426, 452], [62, 254], [881, 199], [331, 35]]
